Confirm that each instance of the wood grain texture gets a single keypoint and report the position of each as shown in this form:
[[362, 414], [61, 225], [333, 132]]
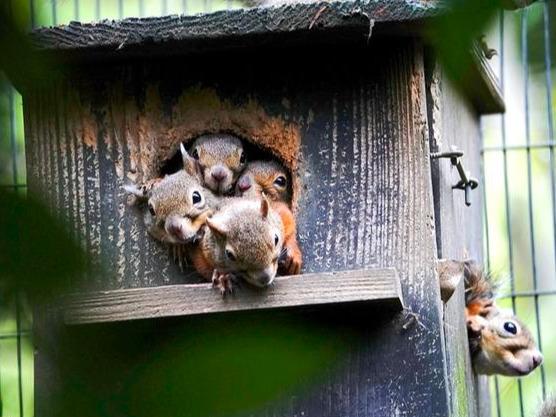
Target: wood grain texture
[[454, 121], [366, 199], [484, 86], [190, 33], [374, 285]]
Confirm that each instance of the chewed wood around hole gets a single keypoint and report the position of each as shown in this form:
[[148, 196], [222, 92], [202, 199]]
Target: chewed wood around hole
[[223, 198]]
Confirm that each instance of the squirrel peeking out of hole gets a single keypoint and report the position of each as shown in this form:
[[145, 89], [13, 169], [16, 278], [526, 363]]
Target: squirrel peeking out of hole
[[499, 342], [233, 218]]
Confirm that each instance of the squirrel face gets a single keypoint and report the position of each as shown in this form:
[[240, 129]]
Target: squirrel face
[[503, 345], [268, 177], [245, 238], [177, 209], [220, 159]]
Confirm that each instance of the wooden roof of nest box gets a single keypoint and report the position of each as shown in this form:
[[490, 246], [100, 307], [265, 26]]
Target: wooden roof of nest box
[[302, 25]]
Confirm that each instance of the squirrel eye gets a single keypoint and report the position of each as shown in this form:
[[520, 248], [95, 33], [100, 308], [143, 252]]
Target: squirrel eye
[[276, 240], [195, 154], [280, 181], [230, 255], [151, 209], [510, 327], [196, 197], [242, 158]]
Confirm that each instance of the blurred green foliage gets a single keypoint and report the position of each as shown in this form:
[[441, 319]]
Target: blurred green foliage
[[37, 257], [210, 369]]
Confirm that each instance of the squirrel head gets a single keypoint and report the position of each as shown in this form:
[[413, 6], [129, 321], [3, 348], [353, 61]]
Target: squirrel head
[[246, 239], [220, 158], [502, 345], [268, 177], [176, 208]]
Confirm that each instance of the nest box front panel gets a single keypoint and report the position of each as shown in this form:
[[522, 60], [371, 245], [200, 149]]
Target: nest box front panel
[[350, 129], [350, 125]]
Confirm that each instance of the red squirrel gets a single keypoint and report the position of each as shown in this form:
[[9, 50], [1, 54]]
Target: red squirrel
[[269, 178]]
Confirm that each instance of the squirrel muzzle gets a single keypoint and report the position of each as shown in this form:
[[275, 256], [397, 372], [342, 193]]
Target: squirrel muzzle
[[261, 278]]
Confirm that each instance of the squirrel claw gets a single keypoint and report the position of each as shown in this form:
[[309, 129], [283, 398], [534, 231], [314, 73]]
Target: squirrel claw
[[290, 262], [222, 281]]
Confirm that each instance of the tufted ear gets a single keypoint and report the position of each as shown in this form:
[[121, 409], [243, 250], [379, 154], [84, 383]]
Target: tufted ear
[[189, 163], [264, 206], [138, 192], [217, 228]]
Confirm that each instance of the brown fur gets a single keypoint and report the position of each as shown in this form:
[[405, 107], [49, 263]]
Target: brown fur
[[241, 227], [171, 199], [214, 152], [548, 408], [493, 349], [262, 176]]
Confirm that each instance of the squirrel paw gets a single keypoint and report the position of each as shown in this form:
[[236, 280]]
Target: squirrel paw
[[475, 326], [290, 262], [147, 186], [223, 281]]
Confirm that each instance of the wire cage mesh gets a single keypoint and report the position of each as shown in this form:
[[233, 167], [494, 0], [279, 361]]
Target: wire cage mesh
[[519, 185]]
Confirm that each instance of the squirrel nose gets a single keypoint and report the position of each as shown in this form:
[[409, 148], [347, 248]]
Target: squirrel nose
[[176, 229], [537, 359], [218, 173], [244, 184]]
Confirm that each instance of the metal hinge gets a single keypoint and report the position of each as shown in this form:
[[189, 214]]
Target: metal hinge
[[466, 182]]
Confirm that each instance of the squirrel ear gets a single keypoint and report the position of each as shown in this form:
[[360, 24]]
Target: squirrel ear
[[264, 206], [135, 190], [189, 164], [216, 228]]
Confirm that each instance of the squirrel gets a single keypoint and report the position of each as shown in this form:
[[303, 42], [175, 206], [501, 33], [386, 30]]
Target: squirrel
[[498, 341], [244, 238], [220, 158], [270, 179], [548, 408], [178, 205]]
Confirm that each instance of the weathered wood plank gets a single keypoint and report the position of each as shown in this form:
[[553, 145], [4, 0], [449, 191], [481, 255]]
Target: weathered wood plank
[[373, 285], [134, 35], [365, 200], [484, 87], [454, 121]]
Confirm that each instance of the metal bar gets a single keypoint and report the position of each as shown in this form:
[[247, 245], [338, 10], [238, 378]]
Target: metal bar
[[550, 121], [485, 210], [525, 57], [54, 14], [184, 6], [76, 9], [13, 144], [32, 13], [520, 147], [506, 196], [501, 49], [120, 9], [164, 7], [497, 390], [13, 185], [141, 8], [97, 9], [18, 341], [22, 333], [535, 293]]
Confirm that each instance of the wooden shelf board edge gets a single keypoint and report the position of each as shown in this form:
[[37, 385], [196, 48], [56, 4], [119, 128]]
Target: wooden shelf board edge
[[368, 285]]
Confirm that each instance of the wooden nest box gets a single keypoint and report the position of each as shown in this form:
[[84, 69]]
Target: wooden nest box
[[345, 94]]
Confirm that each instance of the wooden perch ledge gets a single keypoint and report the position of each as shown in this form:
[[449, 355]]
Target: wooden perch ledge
[[371, 285]]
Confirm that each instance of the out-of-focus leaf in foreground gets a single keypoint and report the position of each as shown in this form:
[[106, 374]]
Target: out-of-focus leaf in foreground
[[19, 60], [36, 254], [223, 365]]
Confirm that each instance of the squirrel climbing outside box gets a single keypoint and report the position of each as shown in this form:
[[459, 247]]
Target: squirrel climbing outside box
[[352, 101]]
